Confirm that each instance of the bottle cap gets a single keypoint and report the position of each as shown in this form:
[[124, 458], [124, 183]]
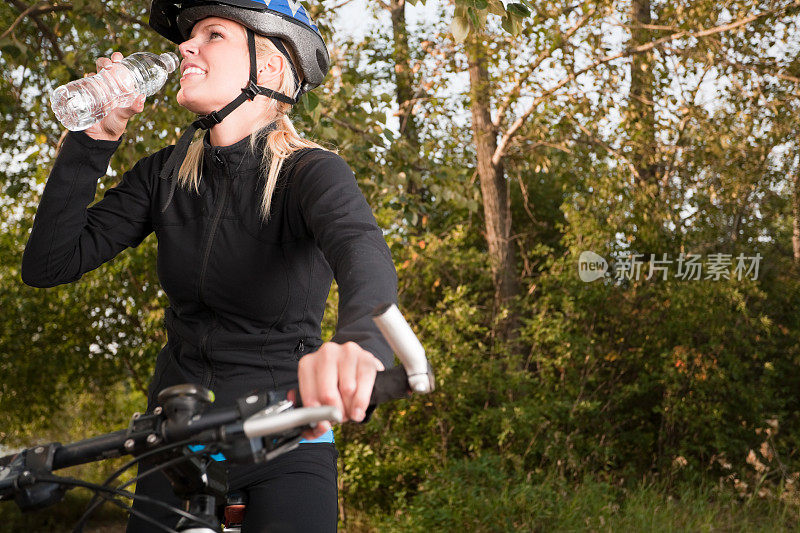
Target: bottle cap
[[170, 61]]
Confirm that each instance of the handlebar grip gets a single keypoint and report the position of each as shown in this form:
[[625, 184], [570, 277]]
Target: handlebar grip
[[78, 453], [390, 385], [406, 346]]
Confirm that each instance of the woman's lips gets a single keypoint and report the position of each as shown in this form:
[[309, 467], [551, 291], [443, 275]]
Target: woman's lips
[[192, 71]]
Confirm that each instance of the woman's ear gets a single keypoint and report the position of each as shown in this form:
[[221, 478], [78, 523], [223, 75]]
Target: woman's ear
[[270, 71]]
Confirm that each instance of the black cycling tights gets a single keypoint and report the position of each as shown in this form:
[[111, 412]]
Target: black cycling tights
[[294, 492]]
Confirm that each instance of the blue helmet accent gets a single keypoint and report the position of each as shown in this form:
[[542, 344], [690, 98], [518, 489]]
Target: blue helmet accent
[[292, 9]]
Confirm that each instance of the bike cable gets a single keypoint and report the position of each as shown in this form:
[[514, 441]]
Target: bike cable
[[127, 494], [98, 489], [98, 499]]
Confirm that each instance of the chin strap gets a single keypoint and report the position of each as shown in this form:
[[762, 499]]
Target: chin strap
[[204, 122]]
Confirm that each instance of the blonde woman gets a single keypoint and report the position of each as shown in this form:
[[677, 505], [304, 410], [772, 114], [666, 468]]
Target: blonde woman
[[253, 223]]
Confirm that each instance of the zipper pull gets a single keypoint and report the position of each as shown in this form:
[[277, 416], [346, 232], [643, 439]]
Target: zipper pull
[[301, 347]]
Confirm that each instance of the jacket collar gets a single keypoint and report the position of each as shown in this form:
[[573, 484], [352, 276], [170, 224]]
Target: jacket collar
[[238, 156]]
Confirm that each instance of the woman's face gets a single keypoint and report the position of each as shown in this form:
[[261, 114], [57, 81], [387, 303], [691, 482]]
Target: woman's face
[[215, 66]]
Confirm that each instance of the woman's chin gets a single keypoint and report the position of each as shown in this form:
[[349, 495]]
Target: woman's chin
[[198, 108]]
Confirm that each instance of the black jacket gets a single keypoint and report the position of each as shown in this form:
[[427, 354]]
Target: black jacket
[[246, 296]]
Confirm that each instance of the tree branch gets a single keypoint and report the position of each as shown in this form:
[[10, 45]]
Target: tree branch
[[42, 8], [509, 135], [762, 69], [515, 91], [129, 18], [676, 147], [337, 6], [593, 139], [37, 9], [48, 33], [347, 125]]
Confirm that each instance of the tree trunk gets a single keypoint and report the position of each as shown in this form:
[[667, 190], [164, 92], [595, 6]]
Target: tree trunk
[[404, 79], [494, 188], [796, 216], [641, 112], [404, 82]]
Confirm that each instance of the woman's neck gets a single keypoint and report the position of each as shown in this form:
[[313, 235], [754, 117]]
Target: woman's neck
[[241, 123]]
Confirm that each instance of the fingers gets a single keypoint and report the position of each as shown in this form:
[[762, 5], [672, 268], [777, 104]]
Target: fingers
[[105, 62], [137, 106], [317, 374], [348, 376], [113, 125], [339, 375], [365, 369]]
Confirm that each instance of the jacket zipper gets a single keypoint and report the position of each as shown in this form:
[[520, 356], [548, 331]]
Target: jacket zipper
[[210, 242], [299, 349], [206, 342]]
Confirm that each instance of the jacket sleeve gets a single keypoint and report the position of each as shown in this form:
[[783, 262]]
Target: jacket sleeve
[[69, 239], [337, 215]]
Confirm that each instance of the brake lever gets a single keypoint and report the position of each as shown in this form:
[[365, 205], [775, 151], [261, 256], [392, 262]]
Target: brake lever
[[275, 430]]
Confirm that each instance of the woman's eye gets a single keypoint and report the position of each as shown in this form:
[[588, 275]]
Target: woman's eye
[[213, 34]]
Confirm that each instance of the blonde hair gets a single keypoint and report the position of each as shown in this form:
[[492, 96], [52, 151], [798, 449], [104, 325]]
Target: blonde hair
[[280, 142]]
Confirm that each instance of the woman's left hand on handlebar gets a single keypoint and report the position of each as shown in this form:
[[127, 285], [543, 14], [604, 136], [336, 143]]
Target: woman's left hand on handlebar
[[341, 375]]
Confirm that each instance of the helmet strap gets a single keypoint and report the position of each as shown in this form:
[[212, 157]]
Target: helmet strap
[[171, 167]]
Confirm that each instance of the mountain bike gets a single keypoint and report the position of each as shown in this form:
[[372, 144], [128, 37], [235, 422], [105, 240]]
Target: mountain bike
[[187, 438]]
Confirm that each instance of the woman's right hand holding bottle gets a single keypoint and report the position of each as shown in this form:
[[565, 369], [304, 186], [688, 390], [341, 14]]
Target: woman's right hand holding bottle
[[113, 125]]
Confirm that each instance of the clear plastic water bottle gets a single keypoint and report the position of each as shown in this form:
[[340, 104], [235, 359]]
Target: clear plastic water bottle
[[81, 103]]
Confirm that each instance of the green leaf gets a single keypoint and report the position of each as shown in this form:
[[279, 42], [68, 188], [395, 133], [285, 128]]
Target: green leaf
[[508, 24], [518, 10], [11, 49], [312, 101], [94, 22], [473, 17]]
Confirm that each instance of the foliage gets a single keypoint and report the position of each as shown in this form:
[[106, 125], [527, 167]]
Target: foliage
[[688, 384]]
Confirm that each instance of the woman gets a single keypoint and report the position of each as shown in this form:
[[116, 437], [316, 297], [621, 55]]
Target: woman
[[252, 222]]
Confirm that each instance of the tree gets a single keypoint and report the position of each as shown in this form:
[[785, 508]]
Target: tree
[[558, 27]]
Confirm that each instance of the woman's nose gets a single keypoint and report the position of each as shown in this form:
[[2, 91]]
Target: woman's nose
[[187, 48]]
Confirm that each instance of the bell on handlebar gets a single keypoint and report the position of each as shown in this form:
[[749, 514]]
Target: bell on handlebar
[[181, 402]]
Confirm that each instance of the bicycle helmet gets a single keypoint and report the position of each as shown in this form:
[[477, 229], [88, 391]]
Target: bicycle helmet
[[286, 20], [281, 21]]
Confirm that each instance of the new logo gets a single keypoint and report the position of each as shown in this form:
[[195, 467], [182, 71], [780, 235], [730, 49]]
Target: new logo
[[591, 266]]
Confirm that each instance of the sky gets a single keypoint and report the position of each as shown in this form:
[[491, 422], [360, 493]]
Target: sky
[[351, 18]]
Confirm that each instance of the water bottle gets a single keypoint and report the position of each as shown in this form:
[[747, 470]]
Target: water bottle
[[81, 103]]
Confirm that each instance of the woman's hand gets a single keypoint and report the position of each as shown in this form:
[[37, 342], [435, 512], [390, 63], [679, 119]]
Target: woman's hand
[[341, 375], [113, 125]]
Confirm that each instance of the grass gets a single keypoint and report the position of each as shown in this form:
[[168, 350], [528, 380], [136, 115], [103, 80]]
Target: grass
[[479, 495], [62, 516]]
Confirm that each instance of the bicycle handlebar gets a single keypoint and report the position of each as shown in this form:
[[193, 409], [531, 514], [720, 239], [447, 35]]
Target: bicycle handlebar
[[255, 416], [392, 384]]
